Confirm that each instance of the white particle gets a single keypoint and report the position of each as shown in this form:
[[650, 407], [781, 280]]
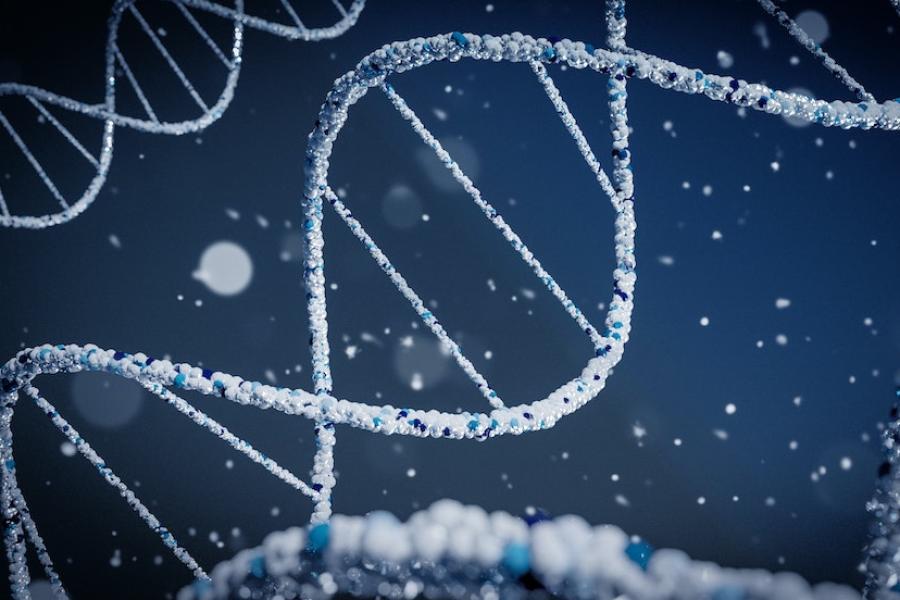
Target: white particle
[[622, 500], [726, 60], [721, 434], [410, 473], [489, 8], [639, 433], [488, 354], [666, 260], [775, 166], [677, 441], [716, 235], [730, 409], [67, 449], [114, 241], [707, 190], [781, 339], [701, 500], [782, 303], [793, 444], [704, 321], [846, 463], [416, 382]]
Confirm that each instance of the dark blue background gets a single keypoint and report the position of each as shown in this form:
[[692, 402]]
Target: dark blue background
[[796, 235]]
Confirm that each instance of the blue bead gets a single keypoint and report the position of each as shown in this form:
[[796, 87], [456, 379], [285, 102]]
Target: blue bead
[[180, 380], [10, 465], [549, 53], [729, 592], [376, 421], [460, 39], [258, 566], [516, 559], [201, 586], [473, 425], [318, 537], [536, 517], [639, 552]]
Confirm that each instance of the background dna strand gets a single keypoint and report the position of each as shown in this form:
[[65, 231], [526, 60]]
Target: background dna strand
[[133, 39], [620, 63]]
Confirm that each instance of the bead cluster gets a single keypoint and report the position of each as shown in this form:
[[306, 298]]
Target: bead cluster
[[451, 550], [881, 566]]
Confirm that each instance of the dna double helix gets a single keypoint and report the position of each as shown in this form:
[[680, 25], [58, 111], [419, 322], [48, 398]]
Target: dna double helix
[[379, 70], [130, 28]]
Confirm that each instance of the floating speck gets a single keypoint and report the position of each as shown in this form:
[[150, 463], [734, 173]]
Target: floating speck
[[726, 60], [782, 303]]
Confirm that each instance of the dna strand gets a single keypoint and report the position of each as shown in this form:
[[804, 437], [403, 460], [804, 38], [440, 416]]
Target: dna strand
[[322, 406], [127, 19]]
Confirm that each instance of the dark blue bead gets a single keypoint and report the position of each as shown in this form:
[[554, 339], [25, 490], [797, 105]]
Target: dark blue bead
[[207, 373], [536, 517], [118, 356]]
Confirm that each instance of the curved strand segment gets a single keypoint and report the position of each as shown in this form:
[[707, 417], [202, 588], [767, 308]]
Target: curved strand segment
[[816, 50]]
